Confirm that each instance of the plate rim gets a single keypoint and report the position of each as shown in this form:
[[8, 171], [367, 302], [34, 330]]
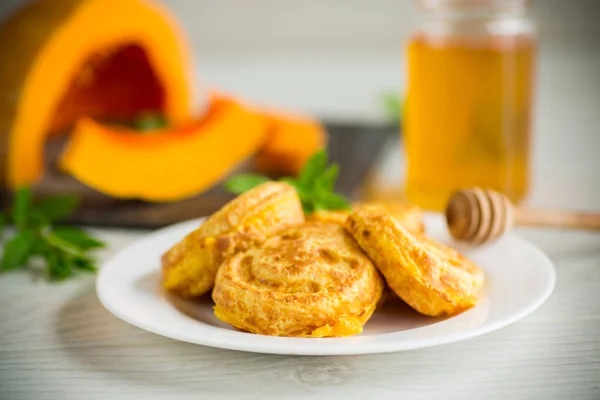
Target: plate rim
[[280, 342]]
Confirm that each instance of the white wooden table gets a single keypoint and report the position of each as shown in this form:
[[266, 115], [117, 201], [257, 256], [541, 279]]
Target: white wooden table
[[57, 342]]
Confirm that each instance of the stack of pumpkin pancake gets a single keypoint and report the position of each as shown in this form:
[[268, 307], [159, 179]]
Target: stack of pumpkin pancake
[[273, 271]]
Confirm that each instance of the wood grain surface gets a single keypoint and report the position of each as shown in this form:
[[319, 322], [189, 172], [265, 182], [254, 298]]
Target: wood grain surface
[[58, 342]]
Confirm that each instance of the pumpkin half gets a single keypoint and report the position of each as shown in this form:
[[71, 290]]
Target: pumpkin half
[[67, 59], [164, 165]]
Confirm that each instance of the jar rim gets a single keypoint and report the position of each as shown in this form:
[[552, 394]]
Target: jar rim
[[474, 6]]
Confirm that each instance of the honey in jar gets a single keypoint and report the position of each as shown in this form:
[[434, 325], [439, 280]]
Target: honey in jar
[[467, 118]]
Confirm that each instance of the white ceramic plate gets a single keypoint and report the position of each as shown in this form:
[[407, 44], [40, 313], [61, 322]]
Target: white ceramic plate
[[519, 279]]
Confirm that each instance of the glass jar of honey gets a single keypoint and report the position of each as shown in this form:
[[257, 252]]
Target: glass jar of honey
[[467, 116]]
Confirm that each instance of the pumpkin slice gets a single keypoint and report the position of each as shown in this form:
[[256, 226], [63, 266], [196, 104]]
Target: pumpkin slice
[[291, 141], [75, 58], [164, 165]]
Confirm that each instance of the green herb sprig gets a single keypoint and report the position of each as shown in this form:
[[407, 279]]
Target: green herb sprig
[[62, 250], [314, 185]]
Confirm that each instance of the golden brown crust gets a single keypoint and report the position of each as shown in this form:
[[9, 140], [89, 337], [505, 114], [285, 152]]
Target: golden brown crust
[[432, 278], [409, 215], [329, 216], [189, 267], [309, 281]]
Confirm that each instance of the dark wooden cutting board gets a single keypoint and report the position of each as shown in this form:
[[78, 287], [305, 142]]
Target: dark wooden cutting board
[[354, 147]]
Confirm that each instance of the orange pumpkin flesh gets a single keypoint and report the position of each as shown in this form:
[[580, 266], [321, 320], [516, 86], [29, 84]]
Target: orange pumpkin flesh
[[115, 85], [74, 58], [164, 165]]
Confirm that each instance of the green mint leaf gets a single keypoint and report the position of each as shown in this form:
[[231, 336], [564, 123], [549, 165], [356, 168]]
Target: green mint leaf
[[244, 182], [326, 181], [36, 219], [40, 247], [331, 201], [59, 268], [149, 121], [303, 192], [314, 167], [54, 208], [77, 237], [17, 250], [84, 263], [314, 185], [63, 249], [2, 223], [308, 204], [62, 245], [309, 207], [21, 207]]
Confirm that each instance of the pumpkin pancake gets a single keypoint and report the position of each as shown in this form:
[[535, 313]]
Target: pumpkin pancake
[[309, 281], [430, 277], [409, 215], [189, 268]]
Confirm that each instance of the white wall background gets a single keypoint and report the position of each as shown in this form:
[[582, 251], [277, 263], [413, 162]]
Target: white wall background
[[334, 58]]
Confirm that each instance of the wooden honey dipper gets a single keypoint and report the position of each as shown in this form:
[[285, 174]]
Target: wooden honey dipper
[[476, 216]]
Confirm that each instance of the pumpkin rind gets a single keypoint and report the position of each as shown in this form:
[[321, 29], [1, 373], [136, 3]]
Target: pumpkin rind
[[49, 43], [164, 165]]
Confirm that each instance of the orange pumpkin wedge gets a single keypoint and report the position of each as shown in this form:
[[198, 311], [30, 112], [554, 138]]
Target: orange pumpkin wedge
[[164, 165], [291, 141], [68, 59]]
